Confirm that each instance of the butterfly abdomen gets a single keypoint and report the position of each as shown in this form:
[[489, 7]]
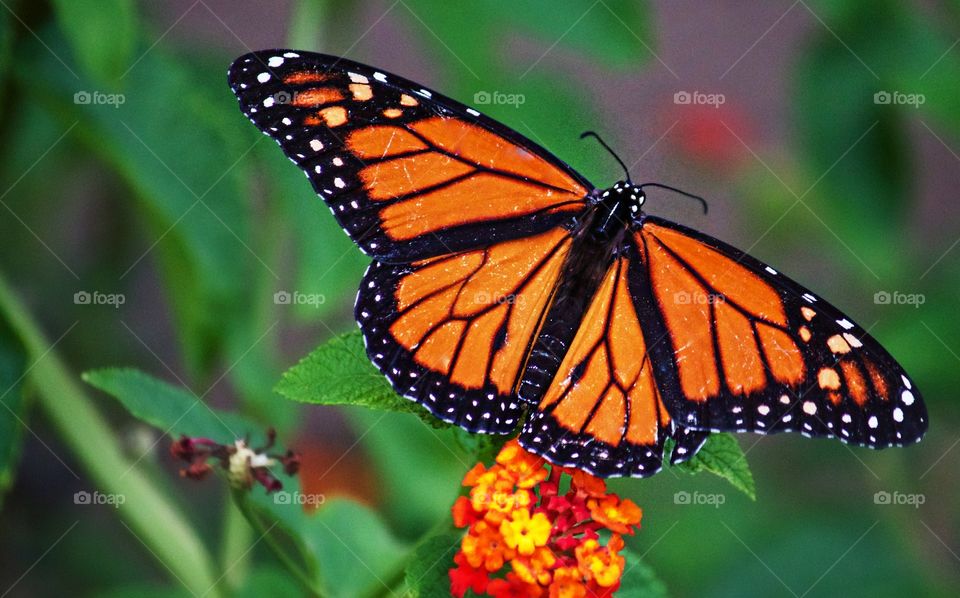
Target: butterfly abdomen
[[596, 244]]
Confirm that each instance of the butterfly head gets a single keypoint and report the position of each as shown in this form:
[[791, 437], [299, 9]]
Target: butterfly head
[[625, 193], [616, 207]]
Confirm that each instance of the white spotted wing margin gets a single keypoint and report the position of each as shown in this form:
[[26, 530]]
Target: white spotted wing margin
[[851, 389]]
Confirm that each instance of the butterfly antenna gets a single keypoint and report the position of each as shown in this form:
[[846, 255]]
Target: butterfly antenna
[[593, 134], [702, 201]]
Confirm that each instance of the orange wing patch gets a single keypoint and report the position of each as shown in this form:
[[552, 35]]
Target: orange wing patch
[[485, 149], [382, 141], [725, 276], [472, 200], [471, 316], [725, 322], [302, 77], [400, 176], [316, 96], [470, 175], [605, 386]]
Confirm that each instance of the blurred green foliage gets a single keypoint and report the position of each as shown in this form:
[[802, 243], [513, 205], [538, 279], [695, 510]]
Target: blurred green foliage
[[169, 197], [12, 368]]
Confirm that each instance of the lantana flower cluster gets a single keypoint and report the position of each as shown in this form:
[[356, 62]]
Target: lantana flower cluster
[[526, 539]]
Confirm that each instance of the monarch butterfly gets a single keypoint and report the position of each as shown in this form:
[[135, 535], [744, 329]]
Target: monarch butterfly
[[506, 290]]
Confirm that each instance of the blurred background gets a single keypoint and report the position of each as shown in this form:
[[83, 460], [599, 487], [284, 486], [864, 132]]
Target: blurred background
[[145, 222]]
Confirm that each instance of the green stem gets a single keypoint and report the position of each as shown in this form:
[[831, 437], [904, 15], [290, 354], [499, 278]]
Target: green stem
[[152, 519], [243, 505], [235, 547]]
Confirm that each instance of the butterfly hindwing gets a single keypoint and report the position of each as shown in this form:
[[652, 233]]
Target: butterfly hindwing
[[603, 411], [408, 173], [752, 351], [453, 332]]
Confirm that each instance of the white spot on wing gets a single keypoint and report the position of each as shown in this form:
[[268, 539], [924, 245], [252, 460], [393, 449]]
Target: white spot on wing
[[275, 61], [852, 340], [263, 77]]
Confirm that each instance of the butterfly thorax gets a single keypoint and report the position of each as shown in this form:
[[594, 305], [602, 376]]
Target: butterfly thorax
[[616, 207]]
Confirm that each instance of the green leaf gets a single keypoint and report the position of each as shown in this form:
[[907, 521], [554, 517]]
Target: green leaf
[[413, 501], [856, 142], [639, 580], [339, 373], [184, 172], [472, 34], [103, 34], [172, 409], [269, 581], [13, 362], [721, 455], [145, 591], [427, 574], [481, 447], [345, 545], [262, 581], [613, 31], [6, 50]]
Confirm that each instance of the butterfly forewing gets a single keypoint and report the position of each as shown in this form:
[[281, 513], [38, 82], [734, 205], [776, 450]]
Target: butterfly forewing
[[408, 173], [751, 350]]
